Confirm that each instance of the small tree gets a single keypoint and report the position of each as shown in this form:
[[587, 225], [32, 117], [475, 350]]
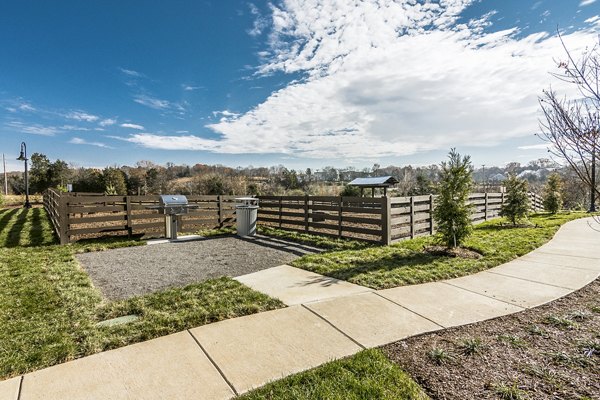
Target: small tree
[[452, 213], [553, 193], [350, 191], [114, 181], [516, 204]]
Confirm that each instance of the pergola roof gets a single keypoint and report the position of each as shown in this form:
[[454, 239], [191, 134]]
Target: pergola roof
[[379, 181]]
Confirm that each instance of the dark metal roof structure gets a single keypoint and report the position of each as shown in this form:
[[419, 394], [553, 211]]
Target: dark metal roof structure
[[379, 181]]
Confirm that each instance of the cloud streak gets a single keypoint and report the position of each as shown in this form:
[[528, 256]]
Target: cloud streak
[[82, 116], [33, 129], [132, 126], [77, 140]]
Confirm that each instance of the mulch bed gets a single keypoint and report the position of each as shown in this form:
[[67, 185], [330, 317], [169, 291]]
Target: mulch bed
[[550, 352], [452, 252]]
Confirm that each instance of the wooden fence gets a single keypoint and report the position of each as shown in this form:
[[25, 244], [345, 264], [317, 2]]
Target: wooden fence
[[384, 220], [81, 215], [347, 217]]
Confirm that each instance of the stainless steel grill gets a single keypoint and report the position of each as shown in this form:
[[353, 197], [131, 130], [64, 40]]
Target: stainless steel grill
[[172, 206]]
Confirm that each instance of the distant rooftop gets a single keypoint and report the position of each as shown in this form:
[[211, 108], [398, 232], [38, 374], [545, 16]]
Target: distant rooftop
[[379, 181]]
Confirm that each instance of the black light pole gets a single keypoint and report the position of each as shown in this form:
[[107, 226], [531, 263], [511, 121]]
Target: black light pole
[[23, 157]]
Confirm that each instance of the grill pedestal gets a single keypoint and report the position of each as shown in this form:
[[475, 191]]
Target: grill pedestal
[[171, 226]]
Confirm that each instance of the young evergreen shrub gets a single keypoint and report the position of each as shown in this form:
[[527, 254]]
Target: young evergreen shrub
[[452, 214], [350, 191], [516, 202], [553, 193]]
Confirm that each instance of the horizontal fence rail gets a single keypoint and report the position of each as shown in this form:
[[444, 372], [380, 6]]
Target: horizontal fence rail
[[383, 220], [346, 217], [83, 215]]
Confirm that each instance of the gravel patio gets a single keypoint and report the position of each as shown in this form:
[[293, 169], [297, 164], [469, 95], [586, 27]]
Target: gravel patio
[[132, 271]]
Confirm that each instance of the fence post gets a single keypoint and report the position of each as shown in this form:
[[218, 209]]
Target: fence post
[[63, 218], [306, 213], [386, 221], [128, 211], [340, 211], [431, 207], [485, 208], [220, 211], [280, 211], [412, 217]]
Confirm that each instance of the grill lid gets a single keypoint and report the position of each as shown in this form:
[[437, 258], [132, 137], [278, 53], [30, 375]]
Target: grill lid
[[172, 200]]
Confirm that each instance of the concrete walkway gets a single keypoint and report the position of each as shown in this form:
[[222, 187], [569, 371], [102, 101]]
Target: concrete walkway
[[326, 319]]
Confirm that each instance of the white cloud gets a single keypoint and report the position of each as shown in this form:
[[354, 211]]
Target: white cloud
[[107, 122], [81, 116], [77, 140], [152, 102], [586, 3], [191, 88], [541, 146], [593, 20], [378, 83], [133, 126], [27, 107], [74, 128], [186, 142], [34, 129], [259, 24], [130, 72]]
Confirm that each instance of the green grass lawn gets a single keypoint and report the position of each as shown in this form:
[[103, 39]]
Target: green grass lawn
[[405, 263], [368, 375], [49, 308], [323, 242]]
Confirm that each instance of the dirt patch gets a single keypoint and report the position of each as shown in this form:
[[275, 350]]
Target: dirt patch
[[550, 352], [452, 252]]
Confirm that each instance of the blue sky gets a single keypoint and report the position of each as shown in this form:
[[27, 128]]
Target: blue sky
[[309, 83]]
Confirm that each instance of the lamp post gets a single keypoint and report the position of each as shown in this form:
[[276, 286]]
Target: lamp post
[[484, 180], [23, 157]]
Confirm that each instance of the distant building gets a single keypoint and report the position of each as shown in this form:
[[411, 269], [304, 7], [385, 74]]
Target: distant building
[[383, 182]]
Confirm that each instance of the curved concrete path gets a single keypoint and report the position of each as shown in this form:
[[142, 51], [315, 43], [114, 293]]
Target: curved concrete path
[[329, 319]]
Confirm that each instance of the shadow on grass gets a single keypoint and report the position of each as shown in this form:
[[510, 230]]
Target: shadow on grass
[[36, 230], [387, 263], [13, 236], [107, 242], [6, 215], [506, 226]]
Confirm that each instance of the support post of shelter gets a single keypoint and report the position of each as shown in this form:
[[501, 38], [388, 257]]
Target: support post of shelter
[[386, 221]]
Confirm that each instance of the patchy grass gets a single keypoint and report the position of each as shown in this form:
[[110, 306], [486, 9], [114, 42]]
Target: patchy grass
[[322, 242], [406, 262], [509, 392], [49, 308], [226, 230], [15, 200], [368, 375], [512, 340], [440, 356], [471, 346]]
